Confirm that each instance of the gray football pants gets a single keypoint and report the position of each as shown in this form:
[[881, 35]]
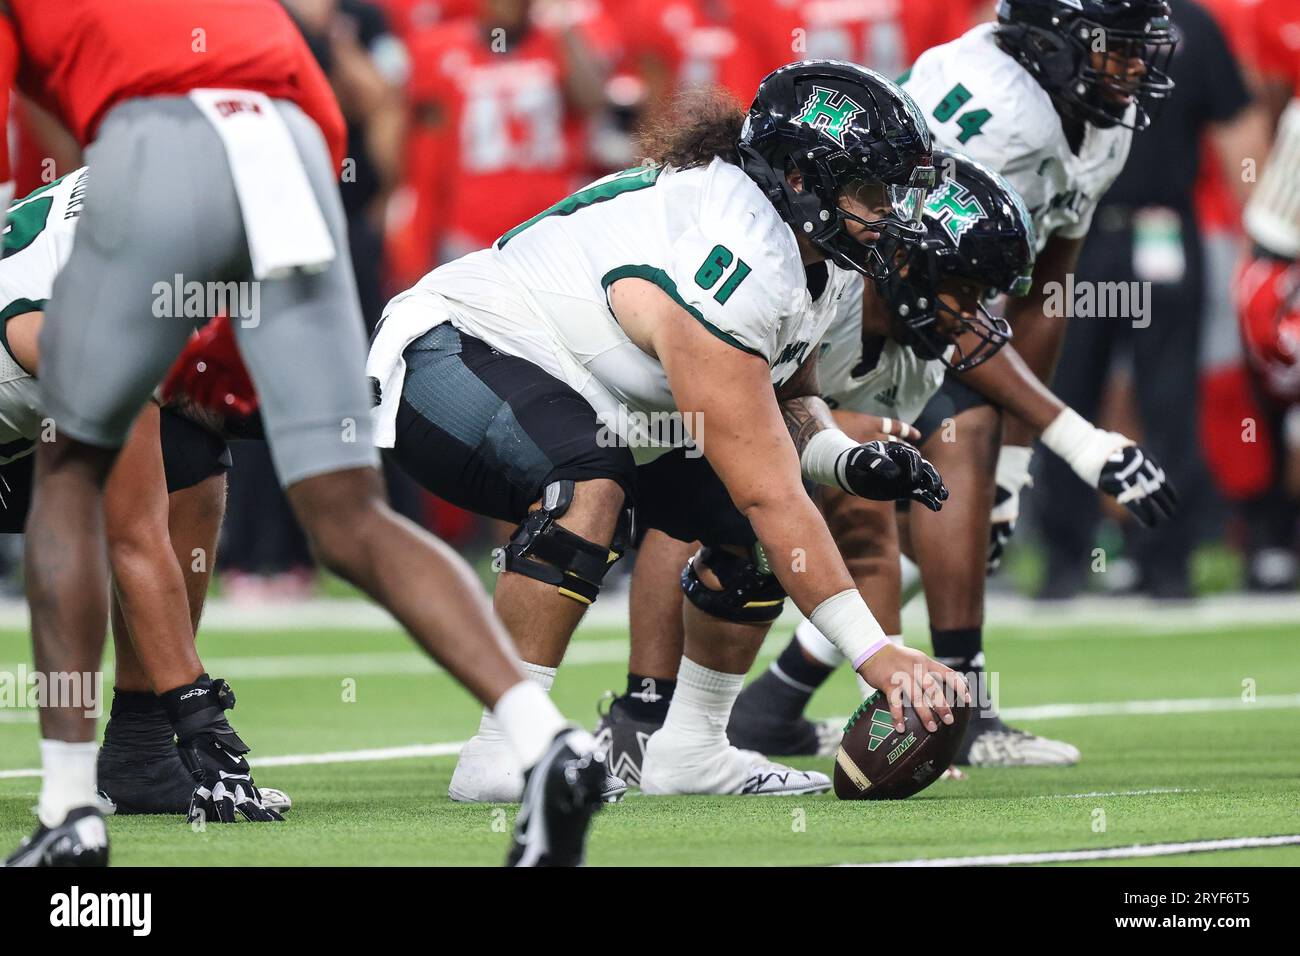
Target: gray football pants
[[161, 210]]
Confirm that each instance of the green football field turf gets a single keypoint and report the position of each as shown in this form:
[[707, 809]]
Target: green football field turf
[[1226, 769]]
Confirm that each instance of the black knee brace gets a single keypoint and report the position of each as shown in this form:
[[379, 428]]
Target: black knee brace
[[750, 592], [544, 551]]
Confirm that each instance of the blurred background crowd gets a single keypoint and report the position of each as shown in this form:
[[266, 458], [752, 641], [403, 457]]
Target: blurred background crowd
[[467, 117]]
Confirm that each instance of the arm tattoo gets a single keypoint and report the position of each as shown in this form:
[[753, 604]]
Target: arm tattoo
[[804, 417]]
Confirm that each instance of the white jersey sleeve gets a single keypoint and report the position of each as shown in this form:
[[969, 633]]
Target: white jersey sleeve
[[38, 234], [735, 267], [980, 101]]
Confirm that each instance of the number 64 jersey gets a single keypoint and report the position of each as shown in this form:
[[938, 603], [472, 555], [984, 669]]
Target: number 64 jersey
[[706, 236], [980, 101]]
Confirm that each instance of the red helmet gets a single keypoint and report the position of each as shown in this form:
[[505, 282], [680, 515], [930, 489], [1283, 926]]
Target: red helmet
[[1268, 308]]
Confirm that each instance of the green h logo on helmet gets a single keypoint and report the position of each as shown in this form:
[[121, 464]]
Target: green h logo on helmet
[[830, 111], [955, 207]]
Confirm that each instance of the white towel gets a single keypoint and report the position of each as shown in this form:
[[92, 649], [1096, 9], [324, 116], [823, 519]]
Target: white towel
[[406, 317], [282, 219]]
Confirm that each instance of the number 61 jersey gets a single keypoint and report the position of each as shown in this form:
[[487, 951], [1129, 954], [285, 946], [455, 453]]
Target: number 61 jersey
[[706, 236], [980, 101]]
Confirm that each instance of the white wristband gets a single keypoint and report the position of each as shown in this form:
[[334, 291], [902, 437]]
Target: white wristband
[[821, 457], [1081, 445], [1013, 467], [846, 621]]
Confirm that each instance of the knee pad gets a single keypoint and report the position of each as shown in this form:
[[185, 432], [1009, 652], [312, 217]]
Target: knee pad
[[542, 550], [750, 592]]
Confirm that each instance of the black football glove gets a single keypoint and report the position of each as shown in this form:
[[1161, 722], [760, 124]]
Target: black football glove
[[214, 754], [891, 471], [1136, 480]]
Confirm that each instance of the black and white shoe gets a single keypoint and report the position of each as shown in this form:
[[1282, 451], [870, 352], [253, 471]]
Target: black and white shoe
[[561, 793], [622, 739], [991, 743], [138, 767], [80, 840]]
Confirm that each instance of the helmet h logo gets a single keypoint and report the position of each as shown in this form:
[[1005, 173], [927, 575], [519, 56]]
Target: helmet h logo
[[956, 209], [830, 111]]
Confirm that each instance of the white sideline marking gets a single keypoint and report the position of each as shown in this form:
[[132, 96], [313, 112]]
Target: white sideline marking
[[1116, 793], [1121, 708], [1110, 853], [1186, 706], [362, 756], [369, 755], [1124, 708]]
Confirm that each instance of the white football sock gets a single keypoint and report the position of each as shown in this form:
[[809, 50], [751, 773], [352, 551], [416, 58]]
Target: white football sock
[[69, 780], [911, 580], [691, 753], [525, 717], [816, 645], [701, 704], [866, 689]]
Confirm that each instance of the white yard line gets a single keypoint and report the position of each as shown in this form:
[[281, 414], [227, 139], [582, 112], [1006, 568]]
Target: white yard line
[[1110, 853], [1185, 706]]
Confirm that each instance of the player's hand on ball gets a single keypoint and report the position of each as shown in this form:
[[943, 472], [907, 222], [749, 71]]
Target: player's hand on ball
[[903, 673], [211, 373], [1136, 480], [892, 471]]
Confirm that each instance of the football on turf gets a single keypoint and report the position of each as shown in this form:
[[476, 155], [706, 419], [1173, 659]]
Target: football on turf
[[876, 762]]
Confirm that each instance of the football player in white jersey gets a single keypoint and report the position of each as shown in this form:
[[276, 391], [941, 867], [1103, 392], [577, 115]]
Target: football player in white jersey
[[1049, 96], [526, 381], [881, 361], [164, 499]]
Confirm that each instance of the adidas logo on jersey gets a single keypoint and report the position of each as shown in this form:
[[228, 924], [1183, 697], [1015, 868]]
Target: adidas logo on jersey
[[887, 396]]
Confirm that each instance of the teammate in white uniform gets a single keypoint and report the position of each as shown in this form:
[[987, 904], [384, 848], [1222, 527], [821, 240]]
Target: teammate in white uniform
[[516, 382], [882, 359], [1049, 96], [164, 499]]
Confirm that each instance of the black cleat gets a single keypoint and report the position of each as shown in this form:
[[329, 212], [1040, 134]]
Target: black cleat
[[80, 840], [561, 793], [139, 769], [144, 781], [768, 718], [622, 739]]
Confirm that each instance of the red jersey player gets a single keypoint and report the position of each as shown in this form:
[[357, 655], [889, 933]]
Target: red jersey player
[[498, 123]]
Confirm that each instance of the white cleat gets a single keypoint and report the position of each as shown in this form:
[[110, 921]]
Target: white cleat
[[1018, 748], [829, 735], [487, 772], [670, 768]]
